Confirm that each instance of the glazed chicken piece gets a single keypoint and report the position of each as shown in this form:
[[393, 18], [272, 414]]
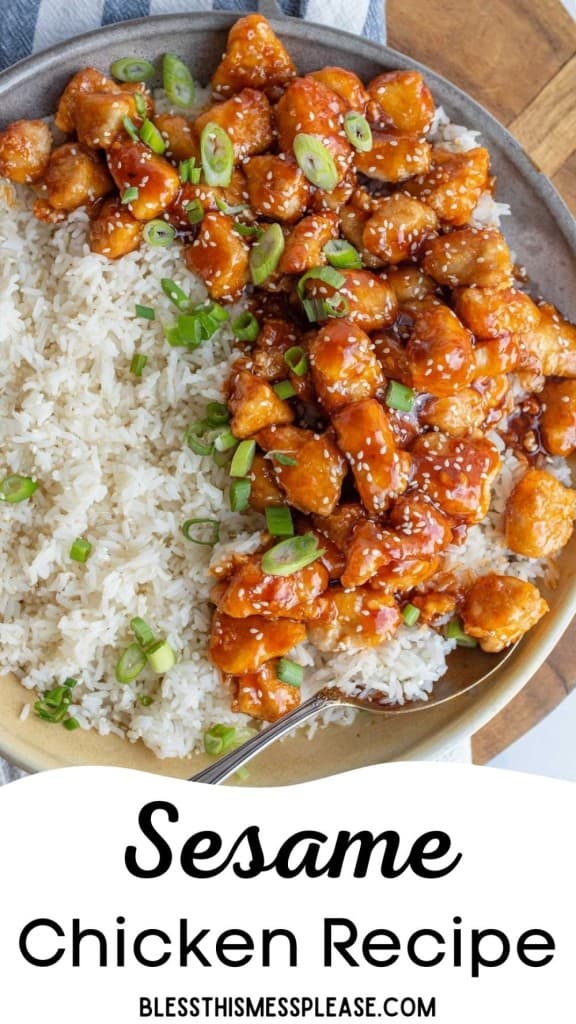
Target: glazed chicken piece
[[220, 257], [313, 484], [498, 610], [255, 405], [363, 618], [540, 514], [309, 107], [413, 288], [134, 165], [344, 365], [304, 247], [85, 81], [393, 357], [267, 357], [381, 472], [497, 356], [239, 646], [264, 490], [99, 117], [75, 177], [558, 419], [440, 352], [277, 188], [456, 415], [253, 592], [456, 473], [345, 84], [340, 525], [323, 201], [553, 343], [454, 184], [25, 151], [208, 196], [246, 117], [254, 58], [178, 132], [491, 312], [394, 158], [397, 229], [435, 607], [401, 99], [352, 223], [114, 232], [398, 577], [370, 301], [469, 256], [262, 695]]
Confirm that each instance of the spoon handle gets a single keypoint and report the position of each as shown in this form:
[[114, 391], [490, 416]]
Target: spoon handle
[[230, 763]]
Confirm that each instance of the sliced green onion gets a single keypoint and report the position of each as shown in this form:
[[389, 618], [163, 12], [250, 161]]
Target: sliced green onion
[[290, 672], [398, 396], [132, 69], [131, 129], [161, 657], [177, 81], [243, 458], [192, 437], [57, 696], [145, 700], [130, 664], [188, 171], [217, 414], [279, 521], [221, 458], [454, 631], [138, 363], [140, 104], [216, 311], [342, 254], [172, 335], [316, 162], [336, 305], [159, 233], [291, 555], [130, 194], [80, 550], [283, 459], [225, 441], [151, 137], [213, 535], [176, 294], [145, 312], [245, 327], [230, 211], [217, 154], [327, 275], [218, 739], [17, 488], [410, 614], [71, 724], [194, 211], [248, 230], [240, 494], [50, 714], [70, 683], [358, 132], [265, 254], [142, 631], [315, 309], [297, 360], [284, 389]]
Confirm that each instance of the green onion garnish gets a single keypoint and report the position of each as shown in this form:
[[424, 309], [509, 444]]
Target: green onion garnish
[[315, 162], [342, 254], [175, 293], [217, 155], [213, 534], [225, 441], [410, 614], [130, 664], [291, 555], [129, 195], [140, 104], [71, 724], [283, 458], [230, 211], [193, 435], [80, 550], [243, 458], [279, 521], [265, 254], [145, 700], [245, 327], [145, 312], [53, 705], [248, 230], [194, 211], [454, 631], [177, 80], [284, 389], [142, 631], [218, 739], [217, 414], [358, 132], [70, 683], [290, 672], [161, 657], [17, 488], [188, 171], [328, 275], [151, 137], [138, 363], [240, 494], [297, 360], [159, 233], [132, 69], [132, 131], [398, 396]]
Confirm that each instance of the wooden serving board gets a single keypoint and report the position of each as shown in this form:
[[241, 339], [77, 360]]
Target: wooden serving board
[[517, 58]]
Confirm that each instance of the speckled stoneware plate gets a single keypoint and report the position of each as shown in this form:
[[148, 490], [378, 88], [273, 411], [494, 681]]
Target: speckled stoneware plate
[[543, 235]]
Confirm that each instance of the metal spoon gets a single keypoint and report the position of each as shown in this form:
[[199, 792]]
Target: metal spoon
[[467, 668]]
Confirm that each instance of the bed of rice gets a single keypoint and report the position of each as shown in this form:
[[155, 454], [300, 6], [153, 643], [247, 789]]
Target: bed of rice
[[107, 449]]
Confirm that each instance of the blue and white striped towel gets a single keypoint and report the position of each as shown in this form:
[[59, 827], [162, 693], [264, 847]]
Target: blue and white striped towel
[[27, 26]]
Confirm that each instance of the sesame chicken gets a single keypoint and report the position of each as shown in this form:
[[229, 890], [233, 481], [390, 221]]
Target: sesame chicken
[[456, 473], [75, 177], [180, 137], [394, 158], [25, 151], [398, 228], [208, 196], [219, 256], [552, 342], [540, 514], [361, 618], [134, 165], [369, 300], [252, 592], [492, 312], [246, 117], [239, 646], [277, 188], [558, 416], [114, 231], [304, 245], [401, 99], [254, 58], [314, 482], [99, 117], [263, 696], [309, 107], [87, 80], [345, 84], [440, 352], [498, 610], [454, 184], [264, 490], [469, 256], [255, 405], [344, 365], [380, 470]]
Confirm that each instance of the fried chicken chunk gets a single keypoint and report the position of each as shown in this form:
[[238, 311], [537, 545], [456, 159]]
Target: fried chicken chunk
[[380, 470], [344, 365], [498, 610], [255, 405], [25, 151], [540, 514], [238, 646], [219, 256], [262, 695], [254, 58], [313, 480]]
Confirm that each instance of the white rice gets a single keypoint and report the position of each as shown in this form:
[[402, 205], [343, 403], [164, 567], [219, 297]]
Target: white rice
[[107, 449]]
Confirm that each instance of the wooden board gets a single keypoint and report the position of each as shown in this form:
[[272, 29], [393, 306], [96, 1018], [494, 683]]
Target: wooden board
[[517, 58]]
